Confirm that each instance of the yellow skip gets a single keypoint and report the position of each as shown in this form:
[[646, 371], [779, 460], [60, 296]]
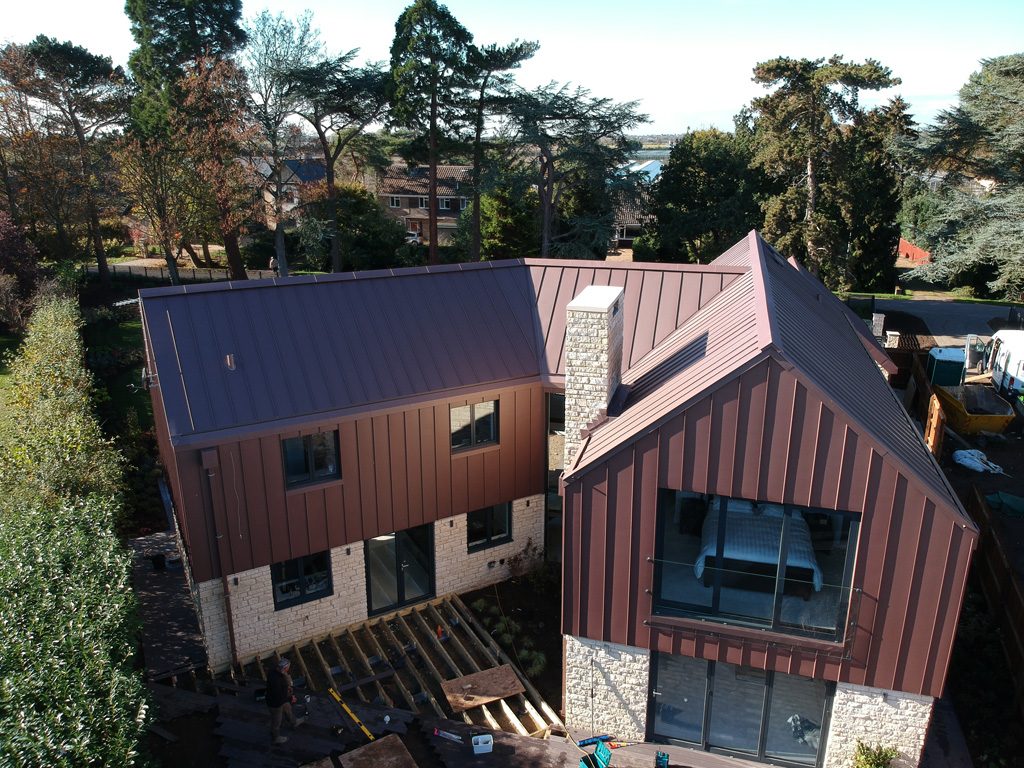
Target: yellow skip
[[350, 713]]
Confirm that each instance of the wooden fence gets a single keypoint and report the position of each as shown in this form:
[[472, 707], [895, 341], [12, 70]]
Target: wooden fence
[[1003, 589], [185, 274]]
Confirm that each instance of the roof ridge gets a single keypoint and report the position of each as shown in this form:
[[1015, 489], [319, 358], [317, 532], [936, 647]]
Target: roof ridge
[[767, 330]]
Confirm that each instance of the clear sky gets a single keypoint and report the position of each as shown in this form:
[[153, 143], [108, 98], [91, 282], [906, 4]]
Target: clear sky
[[688, 63]]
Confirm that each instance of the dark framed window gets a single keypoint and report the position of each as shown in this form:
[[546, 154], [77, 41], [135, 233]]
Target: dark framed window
[[422, 202], [311, 458], [301, 580], [445, 203], [773, 566], [395, 202], [474, 425], [489, 527]]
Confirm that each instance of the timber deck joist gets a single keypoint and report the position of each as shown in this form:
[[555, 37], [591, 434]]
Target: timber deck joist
[[399, 661]]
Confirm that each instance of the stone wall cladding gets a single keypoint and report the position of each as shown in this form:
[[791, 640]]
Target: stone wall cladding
[[459, 571], [259, 629], [877, 717], [593, 368], [213, 622], [619, 676]]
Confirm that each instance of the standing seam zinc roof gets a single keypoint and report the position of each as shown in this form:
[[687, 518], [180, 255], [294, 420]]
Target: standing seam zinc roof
[[775, 309], [315, 345]]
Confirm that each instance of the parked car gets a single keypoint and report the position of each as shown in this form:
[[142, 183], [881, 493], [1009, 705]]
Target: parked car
[[414, 237], [1005, 359]]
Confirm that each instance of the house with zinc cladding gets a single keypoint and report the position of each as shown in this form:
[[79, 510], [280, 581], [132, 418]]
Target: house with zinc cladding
[[760, 557]]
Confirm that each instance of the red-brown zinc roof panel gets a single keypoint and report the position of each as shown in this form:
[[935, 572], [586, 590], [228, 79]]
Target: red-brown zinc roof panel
[[833, 356], [658, 299], [305, 347], [721, 338], [786, 313]]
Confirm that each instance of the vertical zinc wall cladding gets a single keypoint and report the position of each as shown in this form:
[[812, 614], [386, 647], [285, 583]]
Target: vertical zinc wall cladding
[[398, 471], [783, 442]]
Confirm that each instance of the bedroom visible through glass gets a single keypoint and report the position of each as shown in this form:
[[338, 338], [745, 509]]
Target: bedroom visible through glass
[[783, 567]]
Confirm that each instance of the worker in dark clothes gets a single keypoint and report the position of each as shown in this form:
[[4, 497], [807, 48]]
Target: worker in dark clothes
[[279, 699]]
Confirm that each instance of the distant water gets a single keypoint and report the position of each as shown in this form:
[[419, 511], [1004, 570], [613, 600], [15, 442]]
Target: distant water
[[652, 154]]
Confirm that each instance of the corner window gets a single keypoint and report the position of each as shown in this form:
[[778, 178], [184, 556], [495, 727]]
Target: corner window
[[779, 567], [462, 203], [395, 202], [445, 204], [301, 580], [475, 424], [311, 458], [489, 527], [422, 202]]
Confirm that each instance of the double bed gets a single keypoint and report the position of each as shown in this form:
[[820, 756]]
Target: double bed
[[750, 552]]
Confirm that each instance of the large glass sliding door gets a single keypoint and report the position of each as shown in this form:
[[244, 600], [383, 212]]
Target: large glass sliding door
[[399, 568], [766, 716]]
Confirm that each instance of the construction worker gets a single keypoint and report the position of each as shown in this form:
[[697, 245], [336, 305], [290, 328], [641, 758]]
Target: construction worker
[[279, 699]]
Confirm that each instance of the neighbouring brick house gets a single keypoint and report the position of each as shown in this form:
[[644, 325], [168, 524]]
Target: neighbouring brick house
[[340, 446], [402, 190]]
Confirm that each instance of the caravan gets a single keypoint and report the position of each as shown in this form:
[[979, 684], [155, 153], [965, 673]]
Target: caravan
[[1004, 357]]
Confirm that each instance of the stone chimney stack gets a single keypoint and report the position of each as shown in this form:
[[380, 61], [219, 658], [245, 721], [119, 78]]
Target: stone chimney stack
[[593, 359]]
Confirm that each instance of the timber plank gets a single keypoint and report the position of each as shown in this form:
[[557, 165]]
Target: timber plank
[[388, 752], [482, 687]]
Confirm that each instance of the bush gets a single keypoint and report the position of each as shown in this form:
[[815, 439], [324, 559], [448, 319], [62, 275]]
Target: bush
[[68, 692], [873, 757], [55, 445]]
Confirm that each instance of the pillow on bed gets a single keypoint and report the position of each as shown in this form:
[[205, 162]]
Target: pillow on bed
[[770, 510], [740, 506]]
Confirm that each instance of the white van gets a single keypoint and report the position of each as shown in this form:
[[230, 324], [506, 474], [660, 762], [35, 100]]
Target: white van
[[1004, 357]]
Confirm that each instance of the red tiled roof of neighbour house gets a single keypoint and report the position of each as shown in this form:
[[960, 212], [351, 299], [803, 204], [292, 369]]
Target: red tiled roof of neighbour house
[[348, 342], [776, 310], [633, 211], [452, 180]]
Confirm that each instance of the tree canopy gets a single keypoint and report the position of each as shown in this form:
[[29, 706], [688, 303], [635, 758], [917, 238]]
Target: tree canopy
[[797, 126], [429, 68], [704, 199], [582, 144], [971, 223]]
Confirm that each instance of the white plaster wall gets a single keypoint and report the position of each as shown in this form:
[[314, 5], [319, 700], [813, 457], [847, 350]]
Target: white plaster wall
[[606, 688], [460, 571], [877, 717], [259, 629]]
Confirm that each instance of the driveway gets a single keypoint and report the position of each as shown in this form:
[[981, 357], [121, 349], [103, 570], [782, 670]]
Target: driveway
[[949, 322]]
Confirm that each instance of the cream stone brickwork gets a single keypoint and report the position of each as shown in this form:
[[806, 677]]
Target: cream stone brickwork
[[459, 571], [258, 628], [606, 688], [213, 622], [877, 717], [593, 358]]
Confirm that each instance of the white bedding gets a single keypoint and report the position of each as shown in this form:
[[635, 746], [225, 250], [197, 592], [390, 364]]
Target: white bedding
[[753, 534]]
